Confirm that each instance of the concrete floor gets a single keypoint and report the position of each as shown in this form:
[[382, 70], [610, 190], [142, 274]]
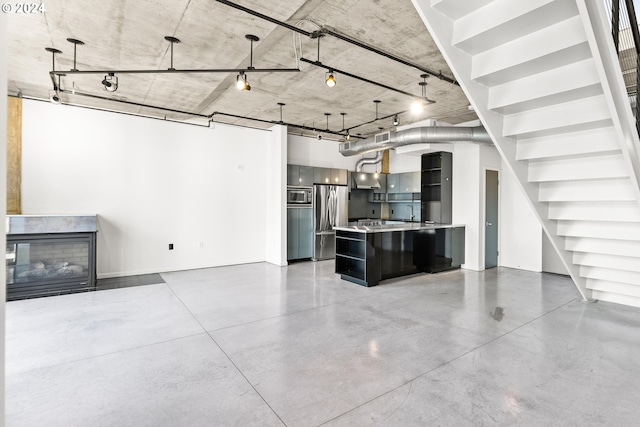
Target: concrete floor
[[258, 345]]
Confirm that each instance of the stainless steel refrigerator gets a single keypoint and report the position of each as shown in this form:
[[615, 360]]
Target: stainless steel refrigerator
[[330, 210]]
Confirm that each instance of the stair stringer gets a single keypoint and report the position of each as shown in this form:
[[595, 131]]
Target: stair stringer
[[611, 78]]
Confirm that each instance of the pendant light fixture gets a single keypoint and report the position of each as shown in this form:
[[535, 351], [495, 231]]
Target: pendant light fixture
[[241, 81], [75, 43], [171, 40], [396, 122], [376, 102], [327, 114], [330, 79], [418, 105], [329, 76], [54, 95], [110, 82]]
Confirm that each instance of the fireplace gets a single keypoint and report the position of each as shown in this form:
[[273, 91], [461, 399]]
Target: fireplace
[[50, 255]]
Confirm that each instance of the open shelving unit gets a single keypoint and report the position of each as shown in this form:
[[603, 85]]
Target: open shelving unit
[[351, 257], [436, 187]]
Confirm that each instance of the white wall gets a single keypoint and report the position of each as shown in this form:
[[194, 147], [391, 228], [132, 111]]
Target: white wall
[[3, 195], [470, 162], [551, 262], [152, 183], [520, 231], [519, 234], [466, 201], [302, 150], [407, 162], [276, 217]]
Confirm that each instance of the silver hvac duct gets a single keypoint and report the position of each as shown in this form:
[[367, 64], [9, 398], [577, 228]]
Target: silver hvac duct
[[371, 161], [431, 134]]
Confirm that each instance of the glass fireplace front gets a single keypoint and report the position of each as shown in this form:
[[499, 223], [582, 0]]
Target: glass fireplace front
[[50, 264]]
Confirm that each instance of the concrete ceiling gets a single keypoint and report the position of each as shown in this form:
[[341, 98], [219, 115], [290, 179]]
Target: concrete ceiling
[[127, 34]]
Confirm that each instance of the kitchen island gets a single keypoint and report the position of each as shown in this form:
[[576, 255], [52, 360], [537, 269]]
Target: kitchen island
[[368, 254]]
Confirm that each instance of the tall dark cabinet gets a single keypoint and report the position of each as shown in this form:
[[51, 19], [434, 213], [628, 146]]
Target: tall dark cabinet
[[436, 187]]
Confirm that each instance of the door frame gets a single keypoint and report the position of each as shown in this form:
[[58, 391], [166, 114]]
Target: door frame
[[483, 216]]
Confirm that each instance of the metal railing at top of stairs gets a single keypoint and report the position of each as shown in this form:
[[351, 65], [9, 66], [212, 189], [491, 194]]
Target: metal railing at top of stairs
[[626, 38]]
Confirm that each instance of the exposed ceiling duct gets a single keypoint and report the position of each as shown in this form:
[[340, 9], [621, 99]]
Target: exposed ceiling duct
[[371, 161], [430, 134], [366, 181]]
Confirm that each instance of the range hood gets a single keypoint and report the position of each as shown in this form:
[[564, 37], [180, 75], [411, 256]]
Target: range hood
[[364, 181]]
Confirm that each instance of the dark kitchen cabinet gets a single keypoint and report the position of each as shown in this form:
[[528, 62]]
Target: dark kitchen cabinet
[[436, 187]]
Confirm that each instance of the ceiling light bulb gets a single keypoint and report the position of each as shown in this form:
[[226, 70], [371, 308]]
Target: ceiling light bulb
[[396, 122], [110, 82], [417, 106], [241, 82], [348, 137], [330, 80]]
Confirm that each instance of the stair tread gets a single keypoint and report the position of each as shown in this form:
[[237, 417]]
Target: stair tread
[[561, 44], [601, 140], [500, 20], [563, 84], [616, 298], [577, 114], [587, 191], [598, 212], [584, 168], [617, 262], [613, 286], [455, 9], [609, 230]]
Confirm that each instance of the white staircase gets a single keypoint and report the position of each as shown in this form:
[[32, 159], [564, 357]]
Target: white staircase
[[544, 78]]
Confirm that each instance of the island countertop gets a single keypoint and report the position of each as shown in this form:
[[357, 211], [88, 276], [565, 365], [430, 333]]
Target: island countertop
[[368, 254], [394, 227]]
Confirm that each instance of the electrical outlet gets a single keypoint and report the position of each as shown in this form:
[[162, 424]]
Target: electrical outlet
[[170, 246]]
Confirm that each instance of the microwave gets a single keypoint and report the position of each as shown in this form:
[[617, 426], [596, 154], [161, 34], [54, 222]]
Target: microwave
[[299, 196]]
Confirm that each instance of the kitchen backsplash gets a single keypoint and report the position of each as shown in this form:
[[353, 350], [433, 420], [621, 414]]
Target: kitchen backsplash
[[402, 212], [360, 207]]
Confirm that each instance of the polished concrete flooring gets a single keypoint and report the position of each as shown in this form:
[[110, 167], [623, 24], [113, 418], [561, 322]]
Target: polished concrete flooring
[[258, 345]]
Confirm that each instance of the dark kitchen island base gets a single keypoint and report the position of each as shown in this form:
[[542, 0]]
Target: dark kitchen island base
[[367, 255]]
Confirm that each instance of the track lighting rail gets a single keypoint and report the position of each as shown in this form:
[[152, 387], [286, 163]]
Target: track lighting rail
[[362, 79], [180, 71], [206, 116], [365, 46], [265, 17], [343, 37], [377, 119], [136, 104]]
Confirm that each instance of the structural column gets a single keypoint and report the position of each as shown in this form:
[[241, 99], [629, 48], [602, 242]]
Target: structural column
[[14, 155]]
